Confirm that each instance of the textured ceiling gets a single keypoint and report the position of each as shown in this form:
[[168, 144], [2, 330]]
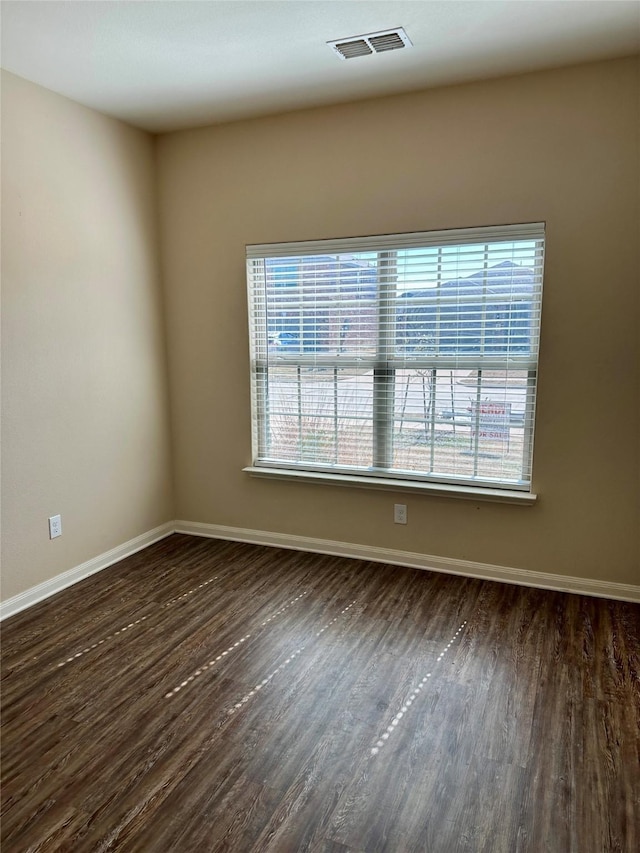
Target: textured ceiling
[[174, 64]]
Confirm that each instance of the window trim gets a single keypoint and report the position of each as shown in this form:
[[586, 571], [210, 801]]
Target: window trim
[[360, 481], [392, 242], [381, 477]]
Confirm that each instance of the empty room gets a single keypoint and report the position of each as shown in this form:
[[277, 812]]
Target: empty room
[[320, 426]]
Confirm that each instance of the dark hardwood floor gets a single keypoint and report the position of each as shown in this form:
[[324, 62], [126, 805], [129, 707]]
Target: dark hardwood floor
[[212, 696]]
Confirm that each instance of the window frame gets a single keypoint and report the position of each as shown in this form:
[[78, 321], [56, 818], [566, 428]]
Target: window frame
[[384, 370]]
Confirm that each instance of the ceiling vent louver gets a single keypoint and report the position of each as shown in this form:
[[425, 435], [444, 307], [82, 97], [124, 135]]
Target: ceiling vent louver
[[349, 49], [370, 43]]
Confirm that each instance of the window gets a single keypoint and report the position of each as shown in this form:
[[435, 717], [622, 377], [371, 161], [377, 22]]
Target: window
[[407, 358]]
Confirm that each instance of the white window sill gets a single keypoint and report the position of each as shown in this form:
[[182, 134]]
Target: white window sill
[[470, 493]]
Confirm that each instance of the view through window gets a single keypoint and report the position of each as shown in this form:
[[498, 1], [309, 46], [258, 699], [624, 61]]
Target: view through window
[[405, 356]]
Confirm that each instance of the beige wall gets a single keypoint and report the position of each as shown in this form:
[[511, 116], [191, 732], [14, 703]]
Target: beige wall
[[85, 430], [84, 417], [559, 146]]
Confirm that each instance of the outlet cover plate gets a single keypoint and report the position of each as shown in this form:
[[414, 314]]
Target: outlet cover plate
[[400, 513], [55, 526]]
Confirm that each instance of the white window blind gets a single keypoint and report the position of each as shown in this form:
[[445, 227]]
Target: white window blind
[[409, 356]]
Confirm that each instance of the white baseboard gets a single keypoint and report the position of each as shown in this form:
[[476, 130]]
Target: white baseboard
[[467, 568], [59, 582]]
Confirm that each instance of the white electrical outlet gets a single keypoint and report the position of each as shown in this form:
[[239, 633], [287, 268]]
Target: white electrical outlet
[[400, 513], [55, 526]]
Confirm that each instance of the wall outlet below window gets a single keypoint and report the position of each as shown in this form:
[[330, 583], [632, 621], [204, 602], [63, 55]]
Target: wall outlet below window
[[55, 526], [400, 513]]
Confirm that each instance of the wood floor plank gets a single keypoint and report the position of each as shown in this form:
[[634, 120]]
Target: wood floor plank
[[213, 696]]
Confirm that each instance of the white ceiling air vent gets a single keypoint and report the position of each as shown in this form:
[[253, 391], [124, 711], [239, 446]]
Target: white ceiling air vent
[[371, 43]]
